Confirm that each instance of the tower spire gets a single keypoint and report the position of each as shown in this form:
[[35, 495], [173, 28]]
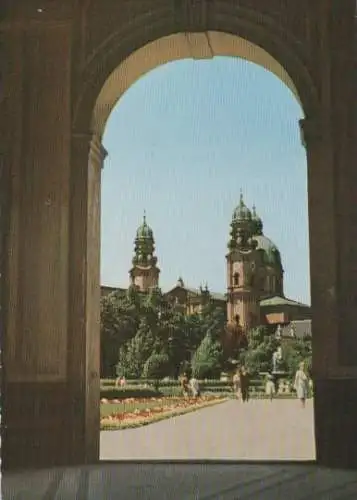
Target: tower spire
[[241, 201], [145, 273]]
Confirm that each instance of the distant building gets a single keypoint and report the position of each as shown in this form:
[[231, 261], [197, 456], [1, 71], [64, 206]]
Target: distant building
[[193, 300], [298, 329], [255, 277]]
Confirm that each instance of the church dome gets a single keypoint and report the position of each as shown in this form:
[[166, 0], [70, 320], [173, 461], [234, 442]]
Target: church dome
[[271, 251], [144, 232], [242, 212], [257, 223]]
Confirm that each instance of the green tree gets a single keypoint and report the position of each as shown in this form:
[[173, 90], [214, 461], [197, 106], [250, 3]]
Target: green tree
[[135, 353], [156, 367], [207, 360], [296, 351], [118, 324], [259, 354], [214, 321]]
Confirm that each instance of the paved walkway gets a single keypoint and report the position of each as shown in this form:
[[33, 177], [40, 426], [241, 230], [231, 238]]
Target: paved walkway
[[259, 430]]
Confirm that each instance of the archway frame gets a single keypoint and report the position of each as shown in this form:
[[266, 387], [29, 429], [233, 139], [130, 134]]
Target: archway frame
[[251, 26], [54, 217]]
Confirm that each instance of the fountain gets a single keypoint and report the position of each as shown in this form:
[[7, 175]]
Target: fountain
[[278, 371]]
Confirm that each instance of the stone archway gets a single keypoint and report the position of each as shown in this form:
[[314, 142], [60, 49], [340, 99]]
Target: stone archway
[[59, 81]]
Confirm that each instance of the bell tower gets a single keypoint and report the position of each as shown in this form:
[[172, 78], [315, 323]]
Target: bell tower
[[144, 274], [242, 299]]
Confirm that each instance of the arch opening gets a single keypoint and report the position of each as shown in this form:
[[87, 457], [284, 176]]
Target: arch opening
[[177, 47], [124, 80]]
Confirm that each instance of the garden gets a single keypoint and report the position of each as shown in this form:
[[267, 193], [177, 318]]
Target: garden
[[149, 343]]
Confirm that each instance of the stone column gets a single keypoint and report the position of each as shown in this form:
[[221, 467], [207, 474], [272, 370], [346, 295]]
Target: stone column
[[37, 113], [332, 152], [332, 186], [88, 156], [50, 302]]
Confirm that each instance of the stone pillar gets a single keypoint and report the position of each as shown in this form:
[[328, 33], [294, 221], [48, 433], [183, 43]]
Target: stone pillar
[[50, 304], [84, 296], [35, 303], [332, 185], [332, 152]]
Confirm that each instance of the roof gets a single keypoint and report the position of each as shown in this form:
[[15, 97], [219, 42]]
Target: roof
[[197, 291], [300, 329], [111, 289], [280, 301]]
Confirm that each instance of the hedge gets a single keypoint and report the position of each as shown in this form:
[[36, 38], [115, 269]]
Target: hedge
[[175, 383], [119, 394], [126, 393]]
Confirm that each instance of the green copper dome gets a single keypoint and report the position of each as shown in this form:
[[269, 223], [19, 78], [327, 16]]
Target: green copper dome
[[144, 231], [242, 212], [271, 252]]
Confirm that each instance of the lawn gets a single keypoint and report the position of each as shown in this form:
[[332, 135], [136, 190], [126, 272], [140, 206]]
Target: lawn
[[130, 413]]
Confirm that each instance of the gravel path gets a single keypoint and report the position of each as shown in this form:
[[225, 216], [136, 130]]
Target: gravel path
[[259, 430]]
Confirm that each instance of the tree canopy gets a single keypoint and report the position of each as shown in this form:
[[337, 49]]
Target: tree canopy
[[136, 326]]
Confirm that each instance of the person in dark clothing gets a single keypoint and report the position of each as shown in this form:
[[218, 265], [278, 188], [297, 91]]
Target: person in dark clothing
[[185, 384], [244, 384]]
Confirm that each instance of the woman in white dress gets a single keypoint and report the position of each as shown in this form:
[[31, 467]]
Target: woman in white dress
[[301, 384], [236, 384]]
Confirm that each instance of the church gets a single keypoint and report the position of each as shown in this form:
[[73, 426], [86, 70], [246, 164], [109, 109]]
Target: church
[[255, 278]]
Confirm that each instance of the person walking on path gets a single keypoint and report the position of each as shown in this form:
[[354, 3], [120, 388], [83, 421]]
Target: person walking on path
[[184, 384], [270, 387], [236, 384], [244, 384], [195, 387], [301, 384]]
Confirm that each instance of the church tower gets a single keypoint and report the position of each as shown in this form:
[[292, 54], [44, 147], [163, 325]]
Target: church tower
[[242, 297], [144, 274]]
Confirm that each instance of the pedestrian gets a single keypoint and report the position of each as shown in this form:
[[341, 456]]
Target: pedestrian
[[184, 384], [244, 384], [270, 387], [301, 384], [195, 387], [236, 384]]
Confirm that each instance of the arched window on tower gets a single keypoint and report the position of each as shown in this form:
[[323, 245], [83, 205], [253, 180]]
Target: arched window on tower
[[236, 279]]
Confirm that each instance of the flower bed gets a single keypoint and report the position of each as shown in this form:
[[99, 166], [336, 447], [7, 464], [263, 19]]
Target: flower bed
[[139, 412]]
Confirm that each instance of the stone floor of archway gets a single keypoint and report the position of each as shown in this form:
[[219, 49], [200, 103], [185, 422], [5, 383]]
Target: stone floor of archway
[[183, 482], [259, 430]]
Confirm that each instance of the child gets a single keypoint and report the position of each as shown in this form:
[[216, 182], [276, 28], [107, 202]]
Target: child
[[270, 387]]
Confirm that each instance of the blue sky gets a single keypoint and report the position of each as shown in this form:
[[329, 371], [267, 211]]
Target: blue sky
[[182, 142]]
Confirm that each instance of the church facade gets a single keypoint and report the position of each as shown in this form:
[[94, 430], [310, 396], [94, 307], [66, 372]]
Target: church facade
[[255, 277]]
